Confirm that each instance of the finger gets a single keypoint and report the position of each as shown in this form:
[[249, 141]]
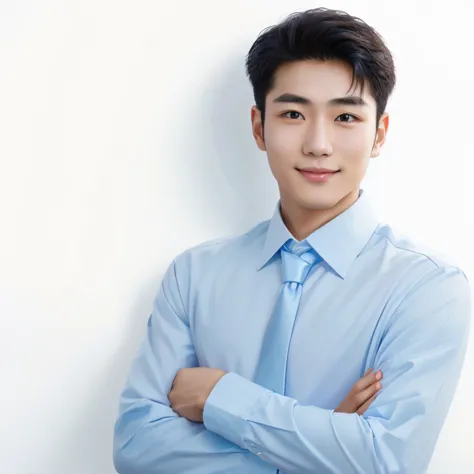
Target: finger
[[368, 372], [366, 394], [368, 380], [366, 405]]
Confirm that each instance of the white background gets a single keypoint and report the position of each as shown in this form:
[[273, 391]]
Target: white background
[[125, 138]]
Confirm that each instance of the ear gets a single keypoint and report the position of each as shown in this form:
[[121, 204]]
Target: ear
[[257, 127], [381, 135]]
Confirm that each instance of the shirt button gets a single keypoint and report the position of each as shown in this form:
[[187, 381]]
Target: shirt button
[[259, 454]]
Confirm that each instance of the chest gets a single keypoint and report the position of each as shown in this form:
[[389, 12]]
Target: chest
[[337, 324]]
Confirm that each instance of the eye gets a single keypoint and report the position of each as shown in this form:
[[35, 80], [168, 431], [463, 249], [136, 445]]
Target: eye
[[347, 118], [292, 114]]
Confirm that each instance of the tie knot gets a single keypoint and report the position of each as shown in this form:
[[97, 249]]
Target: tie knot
[[297, 260]]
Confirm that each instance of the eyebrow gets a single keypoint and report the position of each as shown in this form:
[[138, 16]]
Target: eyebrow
[[353, 100]]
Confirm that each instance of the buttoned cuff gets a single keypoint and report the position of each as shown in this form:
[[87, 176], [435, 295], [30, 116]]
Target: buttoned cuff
[[229, 406]]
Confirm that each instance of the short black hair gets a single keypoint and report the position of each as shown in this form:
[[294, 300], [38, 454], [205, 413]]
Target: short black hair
[[323, 34]]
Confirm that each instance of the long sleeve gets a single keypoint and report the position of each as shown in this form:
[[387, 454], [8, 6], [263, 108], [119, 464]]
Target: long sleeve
[[149, 437], [421, 355]]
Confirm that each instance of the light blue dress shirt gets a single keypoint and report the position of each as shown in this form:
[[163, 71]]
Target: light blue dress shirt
[[375, 300]]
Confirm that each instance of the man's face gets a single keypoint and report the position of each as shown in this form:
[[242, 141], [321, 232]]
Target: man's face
[[318, 132]]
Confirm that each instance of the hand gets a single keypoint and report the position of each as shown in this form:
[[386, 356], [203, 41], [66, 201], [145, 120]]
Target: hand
[[190, 390], [362, 394]]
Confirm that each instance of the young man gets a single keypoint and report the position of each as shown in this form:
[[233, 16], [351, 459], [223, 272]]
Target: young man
[[255, 341]]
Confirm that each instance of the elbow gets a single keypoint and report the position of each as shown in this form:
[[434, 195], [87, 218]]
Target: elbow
[[129, 459], [126, 460], [123, 463], [138, 443]]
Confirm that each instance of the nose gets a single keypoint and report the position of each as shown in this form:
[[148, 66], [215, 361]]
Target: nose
[[318, 140]]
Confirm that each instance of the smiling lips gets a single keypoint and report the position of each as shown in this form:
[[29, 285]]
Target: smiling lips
[[317, 175]]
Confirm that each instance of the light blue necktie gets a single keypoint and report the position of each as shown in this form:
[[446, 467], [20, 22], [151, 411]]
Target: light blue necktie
[[297, 260]]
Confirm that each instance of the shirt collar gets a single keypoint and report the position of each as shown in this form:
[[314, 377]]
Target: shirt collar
[[338, 242]]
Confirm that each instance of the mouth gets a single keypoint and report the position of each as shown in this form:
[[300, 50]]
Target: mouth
[[318, 175]]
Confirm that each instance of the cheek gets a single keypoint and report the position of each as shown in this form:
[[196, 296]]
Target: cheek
[[355, 144], [281, 146]]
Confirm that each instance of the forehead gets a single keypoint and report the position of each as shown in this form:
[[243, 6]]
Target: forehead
[[317, 80]]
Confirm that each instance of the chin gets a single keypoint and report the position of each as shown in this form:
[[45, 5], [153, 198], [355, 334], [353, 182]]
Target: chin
[[320, 206], [317, 203], [314, 204]]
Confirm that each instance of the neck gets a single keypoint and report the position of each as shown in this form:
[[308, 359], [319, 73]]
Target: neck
[[302, 222]]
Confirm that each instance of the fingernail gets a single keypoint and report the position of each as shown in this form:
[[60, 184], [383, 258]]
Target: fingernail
[[378, 375]]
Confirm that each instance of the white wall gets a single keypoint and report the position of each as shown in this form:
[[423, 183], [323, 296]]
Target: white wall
[[125, 138]]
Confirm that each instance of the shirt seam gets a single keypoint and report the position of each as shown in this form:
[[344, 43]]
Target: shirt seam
[[180, 296], [417, 252], [412, 290]]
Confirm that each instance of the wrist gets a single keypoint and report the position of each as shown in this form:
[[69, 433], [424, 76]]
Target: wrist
[[212, 383]]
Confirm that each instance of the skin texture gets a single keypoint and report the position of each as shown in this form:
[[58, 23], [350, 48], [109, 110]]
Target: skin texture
[[362, 394], [190, 390], [318, 133], [337, 137], [191, 387]]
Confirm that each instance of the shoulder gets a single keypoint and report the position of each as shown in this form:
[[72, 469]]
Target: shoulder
[[413, 250], [222, 250], [431, 283]]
